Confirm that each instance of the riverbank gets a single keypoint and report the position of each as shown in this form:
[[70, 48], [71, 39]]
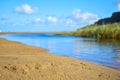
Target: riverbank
[[22, 62]]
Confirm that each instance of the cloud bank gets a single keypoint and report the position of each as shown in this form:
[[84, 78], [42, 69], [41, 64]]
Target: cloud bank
[[76, 18]]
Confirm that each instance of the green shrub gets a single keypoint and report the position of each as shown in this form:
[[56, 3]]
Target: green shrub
[[108, 31]]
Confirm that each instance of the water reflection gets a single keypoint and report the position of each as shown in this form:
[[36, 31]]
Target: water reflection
[[101, 52]]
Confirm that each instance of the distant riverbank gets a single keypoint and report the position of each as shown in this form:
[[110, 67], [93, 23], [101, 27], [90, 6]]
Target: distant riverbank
[[29, 32]]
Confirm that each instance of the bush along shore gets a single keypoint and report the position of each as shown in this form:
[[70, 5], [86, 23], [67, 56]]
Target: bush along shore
[[108, 31], [105, 31]]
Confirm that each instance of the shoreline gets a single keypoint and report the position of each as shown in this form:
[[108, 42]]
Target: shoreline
[[60, 55], [24, 62]]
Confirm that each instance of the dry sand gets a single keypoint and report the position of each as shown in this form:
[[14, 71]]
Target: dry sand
[[22, 62]]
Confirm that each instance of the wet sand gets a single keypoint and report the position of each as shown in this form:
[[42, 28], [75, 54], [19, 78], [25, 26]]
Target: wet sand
[[21, 62]]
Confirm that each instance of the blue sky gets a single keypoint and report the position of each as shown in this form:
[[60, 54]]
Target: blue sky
[[53, 15]]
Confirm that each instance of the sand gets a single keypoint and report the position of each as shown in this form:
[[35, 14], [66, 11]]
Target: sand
[[22, 62]]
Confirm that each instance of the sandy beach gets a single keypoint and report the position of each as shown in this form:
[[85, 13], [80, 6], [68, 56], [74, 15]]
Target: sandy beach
[[21, 62]]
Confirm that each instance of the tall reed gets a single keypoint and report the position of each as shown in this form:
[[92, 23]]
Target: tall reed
[[108, 31]]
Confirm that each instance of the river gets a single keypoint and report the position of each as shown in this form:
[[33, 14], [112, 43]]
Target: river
[[105, 52]]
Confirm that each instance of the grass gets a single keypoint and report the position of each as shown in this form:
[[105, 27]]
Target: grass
[[107, 31]]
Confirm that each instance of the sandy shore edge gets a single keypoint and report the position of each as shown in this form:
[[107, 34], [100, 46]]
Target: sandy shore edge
[[22, 62]]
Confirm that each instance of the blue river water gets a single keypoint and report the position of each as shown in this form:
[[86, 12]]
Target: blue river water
[[105, 53]]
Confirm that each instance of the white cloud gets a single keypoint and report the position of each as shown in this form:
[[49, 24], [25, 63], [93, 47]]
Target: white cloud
[[4, 17], [70, 22], [76, 13], [52, 19], [37, 20], [87, 18], [118, 6], [26, 9]]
